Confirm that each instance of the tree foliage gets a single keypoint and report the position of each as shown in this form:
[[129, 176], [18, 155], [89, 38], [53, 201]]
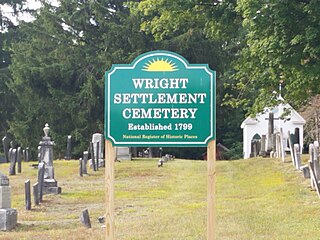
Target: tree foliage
[[58, 61], [58, 68]]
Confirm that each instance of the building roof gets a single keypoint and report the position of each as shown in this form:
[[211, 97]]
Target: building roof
[[293, 116]]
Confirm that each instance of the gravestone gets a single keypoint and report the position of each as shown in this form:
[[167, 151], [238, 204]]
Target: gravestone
[[8, 215], [84, 163], [263, 145], [27, 188], [282, 150], [97, 147], [27, 154], [85, 219], [50, 185], [270, 131], [19, 155], [297, 156], [290, 138], [69, 147], [80, 167], [315, 159], [123, 153], [6, 147], [36, 193], [13, 160], [41, 170], [13, 144], [92, 160], [98, 152]]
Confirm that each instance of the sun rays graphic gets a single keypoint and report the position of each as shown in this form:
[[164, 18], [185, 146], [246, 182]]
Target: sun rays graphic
[[158, 65]]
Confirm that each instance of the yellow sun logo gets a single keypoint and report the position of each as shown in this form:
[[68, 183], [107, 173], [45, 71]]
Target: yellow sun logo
[[158, 65]]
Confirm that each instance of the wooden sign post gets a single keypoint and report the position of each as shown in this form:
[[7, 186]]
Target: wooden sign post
[[110, 157], [160, 100], [211, 181]]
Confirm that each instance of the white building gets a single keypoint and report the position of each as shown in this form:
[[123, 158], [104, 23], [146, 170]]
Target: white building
[[252, 127]]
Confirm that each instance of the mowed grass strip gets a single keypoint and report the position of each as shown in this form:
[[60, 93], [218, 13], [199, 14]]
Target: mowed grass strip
[[263, 198], [256, 199]]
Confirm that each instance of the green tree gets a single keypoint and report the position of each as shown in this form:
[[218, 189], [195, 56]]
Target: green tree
[[58, 68], [281, 44], [202, 32], [7, 33]]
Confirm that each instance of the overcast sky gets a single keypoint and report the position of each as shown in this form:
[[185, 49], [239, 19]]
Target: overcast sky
[[31, 4]]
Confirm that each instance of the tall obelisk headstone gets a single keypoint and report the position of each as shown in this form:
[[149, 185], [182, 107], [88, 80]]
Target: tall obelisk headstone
[[50, 185]]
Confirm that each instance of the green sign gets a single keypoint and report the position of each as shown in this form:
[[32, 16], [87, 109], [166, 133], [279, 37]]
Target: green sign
[[160, 100]]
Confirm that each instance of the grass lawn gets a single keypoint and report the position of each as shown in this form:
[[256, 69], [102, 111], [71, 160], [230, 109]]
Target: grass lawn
[[256, 199]]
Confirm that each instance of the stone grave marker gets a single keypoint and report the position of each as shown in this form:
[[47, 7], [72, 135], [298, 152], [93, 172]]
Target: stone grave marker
[[282, 150], [13, 144], [290, 138], [36, 193], [50, 184], [263, 145], [13, 160], [85, 219], [19, 155], [123, 153], [27, 188], [27, 155], [98, 152], [314, 180], [69, 147], [8, 215], [80, 167], [41, 170], [92, 160], [97, 147], [6, 147], [297, 156], [270, 131], [84, 164]]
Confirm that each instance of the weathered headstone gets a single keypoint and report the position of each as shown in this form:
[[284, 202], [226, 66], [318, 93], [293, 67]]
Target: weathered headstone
[[80, 167], [50, 185], [13, 144], [69, 147], [84, 163], [270, 131], [98, 137], [92, 154], [6, 147], [297, 156], [160, 162], [85, 219], [8, 215], [27, 154], [263, 145], [97, 148], [274, 142], [36, 193], [306, 171], [39, 154], [19, 155], [296, 136], [315, 160], [13, 160], [27, 188], [41, 170], [282, 151], [123, 153], [314, 180], [291, 148]]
